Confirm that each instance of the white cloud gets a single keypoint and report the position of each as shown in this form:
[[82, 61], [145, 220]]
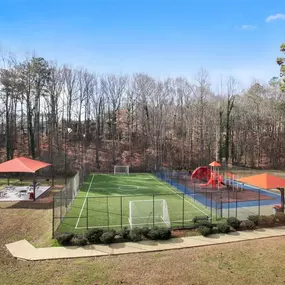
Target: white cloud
[[247, 27], [275, 17]]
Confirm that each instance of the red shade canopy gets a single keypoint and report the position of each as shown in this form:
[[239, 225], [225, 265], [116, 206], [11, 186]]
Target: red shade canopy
[[22, 164], [264, 181], [215, 164]]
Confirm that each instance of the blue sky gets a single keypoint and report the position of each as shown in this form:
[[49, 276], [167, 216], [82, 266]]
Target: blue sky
[[160, 37]]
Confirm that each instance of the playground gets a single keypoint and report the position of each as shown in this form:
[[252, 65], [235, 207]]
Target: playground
[[228, 193], [226, 186]]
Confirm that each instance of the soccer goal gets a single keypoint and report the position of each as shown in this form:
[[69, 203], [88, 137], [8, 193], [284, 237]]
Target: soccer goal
[[121, 169], [148, 213]]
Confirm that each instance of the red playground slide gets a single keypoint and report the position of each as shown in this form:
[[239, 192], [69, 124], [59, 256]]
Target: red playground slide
[[204, 173], [210, 181]]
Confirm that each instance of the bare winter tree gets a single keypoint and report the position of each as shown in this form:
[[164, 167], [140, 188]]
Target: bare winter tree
[[138, 120], [113, 87]]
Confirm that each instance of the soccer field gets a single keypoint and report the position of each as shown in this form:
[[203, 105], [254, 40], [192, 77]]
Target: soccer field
[[104, 201]]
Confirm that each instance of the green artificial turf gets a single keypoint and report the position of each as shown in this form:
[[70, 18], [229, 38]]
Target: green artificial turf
[[104, 199]]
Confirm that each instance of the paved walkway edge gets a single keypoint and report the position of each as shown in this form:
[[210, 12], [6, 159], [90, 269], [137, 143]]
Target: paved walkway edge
[[24, 250]]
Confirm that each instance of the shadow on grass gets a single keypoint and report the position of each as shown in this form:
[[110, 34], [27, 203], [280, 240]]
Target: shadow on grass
[[157, 242], [117, 245], [234, 234], [260, 230]]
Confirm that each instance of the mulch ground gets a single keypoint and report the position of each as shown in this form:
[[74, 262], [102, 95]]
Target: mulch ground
[[229, 196]]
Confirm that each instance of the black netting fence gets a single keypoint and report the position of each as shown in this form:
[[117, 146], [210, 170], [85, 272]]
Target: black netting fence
[[230, 198], [63, 200], [175, 210], [188, 201]]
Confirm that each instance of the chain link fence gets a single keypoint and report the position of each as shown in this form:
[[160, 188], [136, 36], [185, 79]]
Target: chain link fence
[[190, 203], [63, 200], [234, 200], [116, 212]]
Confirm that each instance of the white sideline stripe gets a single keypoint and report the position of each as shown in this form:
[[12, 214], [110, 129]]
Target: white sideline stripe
[[154, 178], [83, 205]]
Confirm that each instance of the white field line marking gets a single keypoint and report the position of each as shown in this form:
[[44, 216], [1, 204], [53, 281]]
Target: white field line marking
[[154, 178], [83, 205]]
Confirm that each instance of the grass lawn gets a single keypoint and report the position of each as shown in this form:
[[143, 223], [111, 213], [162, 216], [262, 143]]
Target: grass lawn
[[254, 262], [257, 262], [104, 202]]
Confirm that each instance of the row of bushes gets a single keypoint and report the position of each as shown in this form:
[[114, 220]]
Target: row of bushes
[[97, 236], [209, 228], [251, 223], [231, 224], [268, 221]]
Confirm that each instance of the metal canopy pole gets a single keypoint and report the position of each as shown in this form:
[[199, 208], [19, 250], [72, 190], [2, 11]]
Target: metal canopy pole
[[34, 185]]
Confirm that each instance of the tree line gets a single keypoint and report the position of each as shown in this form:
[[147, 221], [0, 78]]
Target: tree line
[[73, 117]]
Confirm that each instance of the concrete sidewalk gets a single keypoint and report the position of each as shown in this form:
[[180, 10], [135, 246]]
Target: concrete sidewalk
[[24, 250]]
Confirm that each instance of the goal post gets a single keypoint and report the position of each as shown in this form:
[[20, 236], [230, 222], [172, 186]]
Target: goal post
[[148, 213], [121, 169]]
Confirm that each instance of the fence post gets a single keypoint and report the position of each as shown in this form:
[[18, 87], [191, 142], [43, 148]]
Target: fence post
[[52, 217], [221, 205], [153, 210], [61, 202], [236, 204], [211, 206], [258, 202], [228, 204], [87, 212], [108, 213], [66, 190], [183, 209], [121, 198]]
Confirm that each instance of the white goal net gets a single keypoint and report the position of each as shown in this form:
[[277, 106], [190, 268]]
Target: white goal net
[[148, 213], [121, 169]]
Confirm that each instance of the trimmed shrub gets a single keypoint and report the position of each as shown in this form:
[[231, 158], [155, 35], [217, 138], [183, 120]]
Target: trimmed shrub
[[165, 233], [195, 220], [135, 235], [93, 235], [233, 222], [145, 231], [204, 231], [154, 234], [266, 220], [250, 225], [224, 228], [79, 240], [254, 218], [64, 238], [280, 217], [159, 233], [124, 233], [108, 237]]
